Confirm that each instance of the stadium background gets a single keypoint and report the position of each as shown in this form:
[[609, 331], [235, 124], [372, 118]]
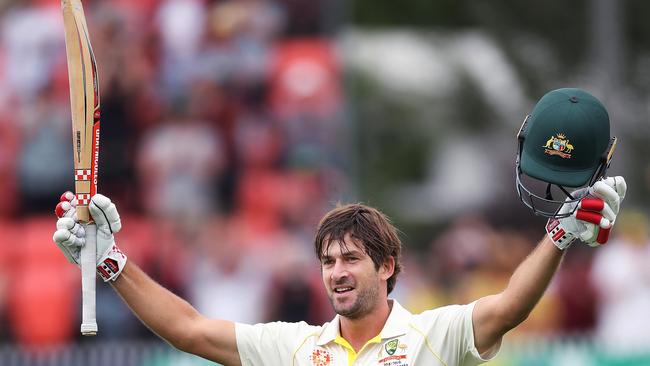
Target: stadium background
[[230, 127]]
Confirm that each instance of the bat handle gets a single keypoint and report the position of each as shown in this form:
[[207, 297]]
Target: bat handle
[[88, 274]]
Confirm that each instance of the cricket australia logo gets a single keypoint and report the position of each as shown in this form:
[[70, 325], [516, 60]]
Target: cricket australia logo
[[391, 347], [395, 354], [558, 145]]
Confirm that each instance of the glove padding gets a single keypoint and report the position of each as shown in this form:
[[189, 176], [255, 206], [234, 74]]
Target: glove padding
[[70, 234], [593, 217]]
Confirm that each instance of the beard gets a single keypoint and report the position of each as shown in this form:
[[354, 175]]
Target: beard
[[364, 302]]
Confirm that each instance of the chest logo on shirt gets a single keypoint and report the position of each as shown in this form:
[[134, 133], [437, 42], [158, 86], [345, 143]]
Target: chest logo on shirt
[[320, 357], [391, 347], [395, 354]]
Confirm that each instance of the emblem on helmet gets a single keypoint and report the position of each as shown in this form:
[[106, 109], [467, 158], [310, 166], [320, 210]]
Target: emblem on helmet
[[558, 145]]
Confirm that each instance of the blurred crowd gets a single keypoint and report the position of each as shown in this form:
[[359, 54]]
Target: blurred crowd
[[224, 140], [222, 125]]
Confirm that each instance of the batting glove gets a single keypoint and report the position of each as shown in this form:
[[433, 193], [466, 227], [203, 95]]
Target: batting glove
[[70, 235], [594, 217]]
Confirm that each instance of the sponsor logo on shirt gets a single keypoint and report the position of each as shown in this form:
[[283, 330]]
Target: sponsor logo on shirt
[[395, 360]]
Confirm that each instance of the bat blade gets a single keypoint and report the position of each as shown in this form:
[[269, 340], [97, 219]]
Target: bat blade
[[85, 111]]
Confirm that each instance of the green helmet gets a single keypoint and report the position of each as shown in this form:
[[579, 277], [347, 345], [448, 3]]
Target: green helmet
[[564, 142]]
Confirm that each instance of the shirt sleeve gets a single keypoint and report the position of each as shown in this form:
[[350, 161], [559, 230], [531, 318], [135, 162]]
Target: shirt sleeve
[[472, 356], [451, 330], [269, 343]]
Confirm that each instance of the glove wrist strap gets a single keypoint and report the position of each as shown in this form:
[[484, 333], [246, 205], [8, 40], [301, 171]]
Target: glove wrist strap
[[560, 237], [111, 264]]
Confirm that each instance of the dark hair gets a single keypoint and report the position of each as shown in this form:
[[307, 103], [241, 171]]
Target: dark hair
[[374, 231]]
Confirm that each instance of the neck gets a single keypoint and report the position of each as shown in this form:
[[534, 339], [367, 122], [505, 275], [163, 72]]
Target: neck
[[359, 331]]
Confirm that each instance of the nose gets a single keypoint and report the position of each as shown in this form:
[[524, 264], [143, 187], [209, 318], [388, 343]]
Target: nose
[[339, 271]]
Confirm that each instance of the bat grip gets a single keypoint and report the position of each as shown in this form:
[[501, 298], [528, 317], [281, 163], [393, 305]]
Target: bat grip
[[88, 273]]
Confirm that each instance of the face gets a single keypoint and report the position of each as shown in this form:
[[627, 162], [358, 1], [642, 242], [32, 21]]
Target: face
[[353, 285]]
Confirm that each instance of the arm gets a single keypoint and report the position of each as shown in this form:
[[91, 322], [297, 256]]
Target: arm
[[590, 221], [166, 314], [175, 320], [497, 314]]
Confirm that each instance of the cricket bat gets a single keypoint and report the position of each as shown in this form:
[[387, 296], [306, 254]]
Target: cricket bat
[[85, 110]]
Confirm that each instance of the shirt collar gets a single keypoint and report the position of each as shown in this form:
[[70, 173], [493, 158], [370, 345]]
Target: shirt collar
[[330, 332], [396, 325], [397, 322]]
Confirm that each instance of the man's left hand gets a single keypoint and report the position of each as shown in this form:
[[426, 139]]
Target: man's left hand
[[594, 217]]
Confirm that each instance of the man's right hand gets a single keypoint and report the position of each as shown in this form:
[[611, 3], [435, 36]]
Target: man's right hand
[[70, 234]]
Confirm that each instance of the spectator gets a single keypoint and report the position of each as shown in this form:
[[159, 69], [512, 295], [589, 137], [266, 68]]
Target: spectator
[[221, 269], [178, 166], [30, 34], [45, 152], [294, 292]]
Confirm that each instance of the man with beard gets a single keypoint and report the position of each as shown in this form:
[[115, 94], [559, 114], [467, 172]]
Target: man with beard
[[360, 252]]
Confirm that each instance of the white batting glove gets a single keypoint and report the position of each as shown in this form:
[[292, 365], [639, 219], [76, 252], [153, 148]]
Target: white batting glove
[[70, 235], [594, 217]]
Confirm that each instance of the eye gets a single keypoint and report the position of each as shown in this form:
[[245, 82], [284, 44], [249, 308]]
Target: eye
[[327, 261], [352, 259]]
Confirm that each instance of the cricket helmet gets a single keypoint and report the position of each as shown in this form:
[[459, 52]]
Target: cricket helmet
[[564, 142]]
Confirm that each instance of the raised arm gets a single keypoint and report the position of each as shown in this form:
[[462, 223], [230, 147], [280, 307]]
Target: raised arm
[[175, 320], [497, 314], [170, 317]]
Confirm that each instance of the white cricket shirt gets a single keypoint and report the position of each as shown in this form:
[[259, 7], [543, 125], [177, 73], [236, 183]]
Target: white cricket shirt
[[443, 336]]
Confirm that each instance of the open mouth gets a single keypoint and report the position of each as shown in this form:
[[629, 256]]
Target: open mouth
[[342, 290]]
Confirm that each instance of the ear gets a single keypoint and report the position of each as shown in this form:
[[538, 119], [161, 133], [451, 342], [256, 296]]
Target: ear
[[387, 268]]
